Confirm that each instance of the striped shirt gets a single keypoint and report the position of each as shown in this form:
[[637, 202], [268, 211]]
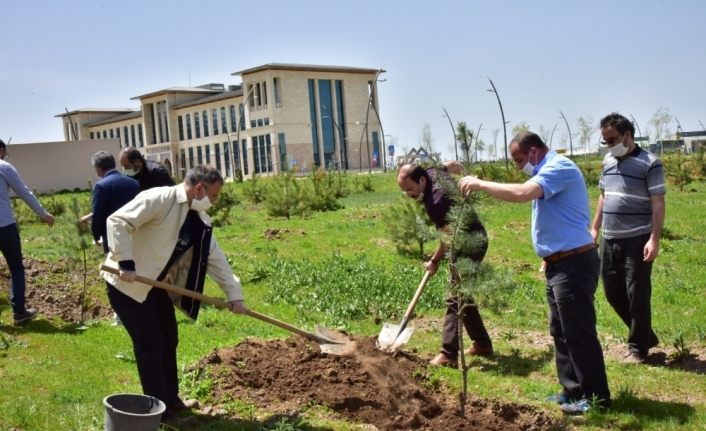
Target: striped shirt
[[628, 186]]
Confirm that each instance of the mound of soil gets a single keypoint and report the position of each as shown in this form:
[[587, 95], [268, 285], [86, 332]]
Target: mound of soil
[[55, 291], [388, 391]]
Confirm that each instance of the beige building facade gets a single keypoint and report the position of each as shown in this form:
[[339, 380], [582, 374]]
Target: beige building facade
[[282, 117]]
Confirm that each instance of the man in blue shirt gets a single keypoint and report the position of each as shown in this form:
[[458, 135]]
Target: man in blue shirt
[[10, 244], [560, 220]]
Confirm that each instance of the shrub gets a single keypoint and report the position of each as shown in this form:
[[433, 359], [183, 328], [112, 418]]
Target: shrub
[[409, 227], [254, 190], [220, 212], [285, 197]]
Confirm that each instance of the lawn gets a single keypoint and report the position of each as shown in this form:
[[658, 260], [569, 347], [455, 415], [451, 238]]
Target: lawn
[[53, 376]]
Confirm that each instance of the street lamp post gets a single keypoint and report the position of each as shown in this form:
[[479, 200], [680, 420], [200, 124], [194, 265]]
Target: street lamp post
[[502, 114], [231, 153], [373, 91], [571, 142], [337, 142], [636, 125], [453, 131], [551, 137]]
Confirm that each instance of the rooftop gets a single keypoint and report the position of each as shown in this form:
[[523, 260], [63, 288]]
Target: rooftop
[[307, 67]]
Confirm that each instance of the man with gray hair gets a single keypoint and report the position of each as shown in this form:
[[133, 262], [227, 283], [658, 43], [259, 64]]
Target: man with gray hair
[[165, 234], [112, 191]]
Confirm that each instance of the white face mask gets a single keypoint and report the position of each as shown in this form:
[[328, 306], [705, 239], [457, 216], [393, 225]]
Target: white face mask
[[618, 150], [129, 172], [202, 204], [528, 169]]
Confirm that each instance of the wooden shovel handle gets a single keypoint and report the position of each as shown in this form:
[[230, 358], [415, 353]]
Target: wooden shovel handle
[[215, 302], [417, 295]]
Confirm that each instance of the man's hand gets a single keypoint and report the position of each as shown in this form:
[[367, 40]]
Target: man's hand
[[237, 307], [469, 184], [432, 267], [594, 236], [48, 219], [126, 275], [651, 250]]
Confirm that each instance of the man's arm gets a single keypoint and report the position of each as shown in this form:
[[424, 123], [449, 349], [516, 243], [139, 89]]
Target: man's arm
[[220, 271], [527, 191], [651, 249], [433, 264], [20, 188], [597, 219], [98, 205]]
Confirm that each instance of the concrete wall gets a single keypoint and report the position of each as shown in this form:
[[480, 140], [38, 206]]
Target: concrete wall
[[47, 166]]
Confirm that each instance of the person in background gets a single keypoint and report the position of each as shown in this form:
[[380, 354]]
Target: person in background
[[165, 234], [423, 185], [630, 209], [560, 234], [10, 244], [112, 191], [148, 173]]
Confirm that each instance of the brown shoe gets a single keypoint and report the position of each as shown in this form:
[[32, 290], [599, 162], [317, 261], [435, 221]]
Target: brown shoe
[[442, 360], [633, 358], [184, 405], [479, 350]]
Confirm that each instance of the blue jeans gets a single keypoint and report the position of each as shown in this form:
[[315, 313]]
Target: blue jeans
[[11, 248], [571, 288]]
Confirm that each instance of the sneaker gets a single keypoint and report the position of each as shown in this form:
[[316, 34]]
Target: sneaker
[[26, 316], [181, 406], [634, 358], [442, 360], [577, 407], [560, 398], [479, 350]]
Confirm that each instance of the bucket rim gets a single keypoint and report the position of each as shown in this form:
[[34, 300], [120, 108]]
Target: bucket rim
[[161, 407]]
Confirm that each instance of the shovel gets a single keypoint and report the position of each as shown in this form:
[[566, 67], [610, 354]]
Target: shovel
[[393, 336], [329, 341]]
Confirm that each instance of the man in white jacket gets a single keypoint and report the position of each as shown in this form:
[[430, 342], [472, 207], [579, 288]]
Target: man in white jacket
[[165, 234]]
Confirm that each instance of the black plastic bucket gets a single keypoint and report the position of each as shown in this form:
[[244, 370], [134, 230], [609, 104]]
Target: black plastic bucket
[[132, 412]]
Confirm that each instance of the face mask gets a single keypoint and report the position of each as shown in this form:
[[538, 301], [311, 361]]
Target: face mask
[[202, 204], [618, 150], [129, 172], [528, 168]]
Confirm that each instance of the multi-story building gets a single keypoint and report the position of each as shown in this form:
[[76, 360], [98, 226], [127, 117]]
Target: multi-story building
[[282, 116]]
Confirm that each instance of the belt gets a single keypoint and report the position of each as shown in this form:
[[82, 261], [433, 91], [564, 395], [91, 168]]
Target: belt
[[556, 257]]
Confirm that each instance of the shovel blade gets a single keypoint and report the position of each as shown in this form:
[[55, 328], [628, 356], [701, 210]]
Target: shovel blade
[[390, 338], [333, 342]]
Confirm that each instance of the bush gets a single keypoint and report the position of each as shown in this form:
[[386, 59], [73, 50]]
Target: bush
[[409, 227], [220, 212], [285, 197], [254, 190]]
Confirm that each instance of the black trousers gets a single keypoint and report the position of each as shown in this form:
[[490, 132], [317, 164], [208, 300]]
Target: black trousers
[[472, 320], [571, 288], [628, 288], [153, 329]]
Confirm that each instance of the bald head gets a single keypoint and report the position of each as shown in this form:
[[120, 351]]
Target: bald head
[[412, 180]]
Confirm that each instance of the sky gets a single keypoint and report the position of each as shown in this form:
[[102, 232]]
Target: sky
[[583, 58]]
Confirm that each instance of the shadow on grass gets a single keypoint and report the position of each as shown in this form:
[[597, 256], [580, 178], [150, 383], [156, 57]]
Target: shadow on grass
[[690, 362], [40, 327], [278, 422], [515, 364], [638, 413]]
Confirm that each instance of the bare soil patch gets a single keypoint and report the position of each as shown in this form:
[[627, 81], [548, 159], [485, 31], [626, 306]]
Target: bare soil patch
[[55, 290], [387, 391]]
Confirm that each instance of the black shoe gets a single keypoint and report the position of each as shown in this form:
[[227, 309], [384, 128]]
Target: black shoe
[[26, 316]]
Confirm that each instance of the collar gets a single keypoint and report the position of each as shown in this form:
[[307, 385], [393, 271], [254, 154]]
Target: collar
[[181, 194], [548, 156]]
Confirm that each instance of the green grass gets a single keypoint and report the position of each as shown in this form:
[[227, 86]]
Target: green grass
[[53, 377]]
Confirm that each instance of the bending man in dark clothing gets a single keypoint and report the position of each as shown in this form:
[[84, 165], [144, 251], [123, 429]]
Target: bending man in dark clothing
[[423, 185], [148, 173]]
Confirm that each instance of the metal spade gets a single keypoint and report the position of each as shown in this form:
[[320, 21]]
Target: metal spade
[[393, 336]]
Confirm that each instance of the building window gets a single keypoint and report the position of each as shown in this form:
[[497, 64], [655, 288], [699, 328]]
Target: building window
[[233, 122], [217, 148], [226, 157], [224, 120], [180, 121], [208, 154], [262, 156], [253, 96], [188, 126], [241, 109], [244, 144], [126, 136], [260, 122], [278, 92], [314, 128], [197, 125], [191, 157], [214, 117], [105, 134], [282, 152], [376, 150], [204, 116], [199, 155], [139, 133], [90, 135], [256, 154], [236, 158], [327, 123], [182, 154], [132, 135]]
